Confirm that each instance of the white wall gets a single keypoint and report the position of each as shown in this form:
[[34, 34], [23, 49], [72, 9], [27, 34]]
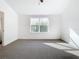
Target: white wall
[[70, 23], [24, 28], [10, 23]]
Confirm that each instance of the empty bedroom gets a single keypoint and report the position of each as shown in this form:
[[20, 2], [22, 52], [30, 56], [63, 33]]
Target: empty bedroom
[[39, 29]]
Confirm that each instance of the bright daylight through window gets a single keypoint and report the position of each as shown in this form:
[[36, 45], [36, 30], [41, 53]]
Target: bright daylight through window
[[39, 24]]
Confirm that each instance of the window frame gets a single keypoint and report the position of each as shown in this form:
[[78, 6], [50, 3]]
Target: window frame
[[39, 25]]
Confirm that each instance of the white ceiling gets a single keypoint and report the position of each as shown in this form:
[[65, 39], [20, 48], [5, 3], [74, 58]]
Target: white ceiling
[[34, 7]]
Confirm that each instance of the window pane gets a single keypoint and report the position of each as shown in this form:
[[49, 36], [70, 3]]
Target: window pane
[[35, 28], [34, 21], [43, 28], [44, 21]]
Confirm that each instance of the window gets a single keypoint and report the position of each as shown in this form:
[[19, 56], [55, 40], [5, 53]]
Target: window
[[39, 24]]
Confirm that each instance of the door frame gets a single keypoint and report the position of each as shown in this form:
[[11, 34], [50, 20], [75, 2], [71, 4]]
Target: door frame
[[2, 26]]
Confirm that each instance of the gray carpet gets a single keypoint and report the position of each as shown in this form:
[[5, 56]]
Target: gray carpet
[[22, 49]]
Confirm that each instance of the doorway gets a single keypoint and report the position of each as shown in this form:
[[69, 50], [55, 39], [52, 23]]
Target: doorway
[[1, 27]]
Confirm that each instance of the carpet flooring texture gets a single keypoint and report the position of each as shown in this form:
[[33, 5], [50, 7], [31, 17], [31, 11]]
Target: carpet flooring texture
[[23, 49]]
